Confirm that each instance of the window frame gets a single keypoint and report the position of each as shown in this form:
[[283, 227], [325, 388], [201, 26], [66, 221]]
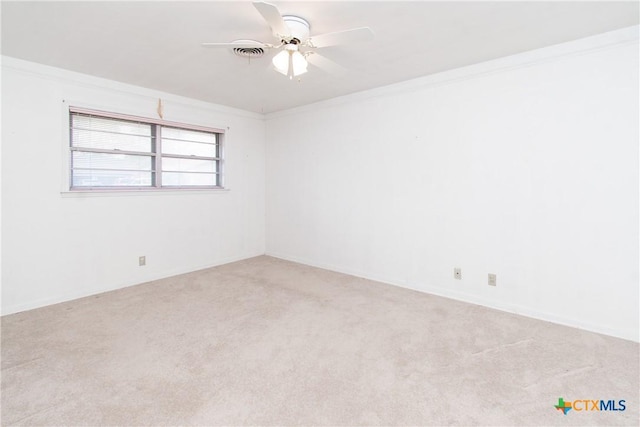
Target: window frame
[[156, 155]]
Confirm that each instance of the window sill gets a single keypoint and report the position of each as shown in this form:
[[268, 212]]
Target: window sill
[[141, 192]]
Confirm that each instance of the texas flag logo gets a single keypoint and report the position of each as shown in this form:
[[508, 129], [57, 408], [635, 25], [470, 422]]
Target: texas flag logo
[[563, 406]]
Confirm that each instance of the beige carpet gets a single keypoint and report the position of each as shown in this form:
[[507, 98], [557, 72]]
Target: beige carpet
[[269, 342]]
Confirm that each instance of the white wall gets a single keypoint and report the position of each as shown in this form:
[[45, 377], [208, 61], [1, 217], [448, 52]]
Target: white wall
[[526, 167], [58, 246]]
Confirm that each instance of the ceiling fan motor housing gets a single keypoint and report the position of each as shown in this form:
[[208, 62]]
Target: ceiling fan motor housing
[[299, 29]]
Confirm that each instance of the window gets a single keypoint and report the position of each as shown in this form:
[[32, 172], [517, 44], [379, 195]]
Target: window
[[112, 151]]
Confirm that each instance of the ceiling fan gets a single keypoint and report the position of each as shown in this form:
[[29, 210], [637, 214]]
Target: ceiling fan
[[295, 42]]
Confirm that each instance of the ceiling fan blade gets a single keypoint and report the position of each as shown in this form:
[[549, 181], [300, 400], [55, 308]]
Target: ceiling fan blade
[[272, 15], [341, 37], [326, 64], [242, 44]]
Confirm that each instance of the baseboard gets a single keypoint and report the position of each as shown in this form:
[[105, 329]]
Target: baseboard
[[70, 296], [471, 299]]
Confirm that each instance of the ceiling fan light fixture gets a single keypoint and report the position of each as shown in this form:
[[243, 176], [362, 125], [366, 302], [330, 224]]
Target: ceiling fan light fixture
[[298, 63], [281, 62], [290, 61]]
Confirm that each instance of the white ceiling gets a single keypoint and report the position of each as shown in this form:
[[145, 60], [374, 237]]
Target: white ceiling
[[157, 44]]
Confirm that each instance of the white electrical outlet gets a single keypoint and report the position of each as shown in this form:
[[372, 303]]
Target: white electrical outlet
[[142, 261], [492, 279], [457, 273]]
